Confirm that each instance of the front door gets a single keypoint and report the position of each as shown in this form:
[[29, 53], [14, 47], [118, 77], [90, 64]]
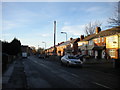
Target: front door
[[99, 54]]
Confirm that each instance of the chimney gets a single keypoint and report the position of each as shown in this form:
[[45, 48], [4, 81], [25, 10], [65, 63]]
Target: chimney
[[98, 29], [81, 37], [71, 39]]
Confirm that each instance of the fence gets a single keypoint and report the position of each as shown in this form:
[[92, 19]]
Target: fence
[[6, 60]]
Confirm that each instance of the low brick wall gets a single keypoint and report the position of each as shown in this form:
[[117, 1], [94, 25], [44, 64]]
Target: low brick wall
[[97, 61]]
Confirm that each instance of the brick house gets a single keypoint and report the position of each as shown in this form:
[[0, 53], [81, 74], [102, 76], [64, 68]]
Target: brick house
[[82, 45], [113, 46], [50, 51], [101, 41], [96, 43], [70, 47]]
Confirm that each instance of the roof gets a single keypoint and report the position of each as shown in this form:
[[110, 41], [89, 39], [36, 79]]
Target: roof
[[75, 40], [107, 32], [24, 45], [70, 41], [65, 43], [89, 37]]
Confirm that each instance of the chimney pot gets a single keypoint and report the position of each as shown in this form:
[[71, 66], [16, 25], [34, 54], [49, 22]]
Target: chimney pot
[[98, 29], [71, 38], [81, 37]]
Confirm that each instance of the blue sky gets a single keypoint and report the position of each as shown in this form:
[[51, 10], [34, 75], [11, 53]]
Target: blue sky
[[32, 22]]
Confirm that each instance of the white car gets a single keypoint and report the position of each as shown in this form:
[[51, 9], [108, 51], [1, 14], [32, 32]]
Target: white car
[[70, 60]]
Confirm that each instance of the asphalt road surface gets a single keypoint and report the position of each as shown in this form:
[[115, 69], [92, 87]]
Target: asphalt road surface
[[40, 73]]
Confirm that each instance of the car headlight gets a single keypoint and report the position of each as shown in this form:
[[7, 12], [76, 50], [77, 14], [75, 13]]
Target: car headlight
[[71, 61]]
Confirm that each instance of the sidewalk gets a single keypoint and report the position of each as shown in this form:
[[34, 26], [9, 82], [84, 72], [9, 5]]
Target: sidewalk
[[14, 77], [7, 74]]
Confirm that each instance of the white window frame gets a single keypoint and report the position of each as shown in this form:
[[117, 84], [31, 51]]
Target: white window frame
[[91, 42], [98, 40], [102, 39], [112, 52]]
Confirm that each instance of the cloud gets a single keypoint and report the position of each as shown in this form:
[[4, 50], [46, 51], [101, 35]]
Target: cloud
[[74, 29], [8, 25], [93, 9], [6, 34], [12, 24], [42, 34], [45, 35], [18, 18]]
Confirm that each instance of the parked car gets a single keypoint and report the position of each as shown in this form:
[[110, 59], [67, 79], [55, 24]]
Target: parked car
[[41, 56], [71, 61], [83, 57]]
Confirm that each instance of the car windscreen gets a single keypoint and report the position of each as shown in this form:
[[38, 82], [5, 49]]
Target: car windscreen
[[72, 57]]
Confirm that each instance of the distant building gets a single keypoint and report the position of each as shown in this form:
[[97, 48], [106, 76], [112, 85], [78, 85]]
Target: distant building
[[26, 48]]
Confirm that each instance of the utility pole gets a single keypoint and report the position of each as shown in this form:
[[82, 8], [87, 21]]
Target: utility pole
[[54, 36]]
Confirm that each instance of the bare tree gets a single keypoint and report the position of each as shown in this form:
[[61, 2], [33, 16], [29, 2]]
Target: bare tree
[[115, 20], [91, 26]]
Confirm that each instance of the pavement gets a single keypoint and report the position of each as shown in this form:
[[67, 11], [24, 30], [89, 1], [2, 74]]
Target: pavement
[[7, 74], [14, 76]]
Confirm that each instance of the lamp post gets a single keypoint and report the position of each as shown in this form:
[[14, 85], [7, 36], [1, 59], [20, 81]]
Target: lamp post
[[54, 37], [45, 44], [66, 35]]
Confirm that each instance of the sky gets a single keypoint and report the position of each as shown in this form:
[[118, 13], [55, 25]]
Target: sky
[[33, 22]]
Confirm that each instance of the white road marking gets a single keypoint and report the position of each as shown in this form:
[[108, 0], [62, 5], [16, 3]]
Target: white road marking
[[102, 85], [75, 75]]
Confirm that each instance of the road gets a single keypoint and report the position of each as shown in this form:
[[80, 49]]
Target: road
[[40, 73]]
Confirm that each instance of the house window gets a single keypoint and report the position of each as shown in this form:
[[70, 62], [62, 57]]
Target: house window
[[98, 40], [102, 39], [83, 52], [112, 52], [90, 42], [95, 41], [71, 45]]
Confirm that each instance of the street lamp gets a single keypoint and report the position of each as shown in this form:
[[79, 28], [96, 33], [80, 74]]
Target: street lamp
[[66, 35], [38, 46], [45, 44]]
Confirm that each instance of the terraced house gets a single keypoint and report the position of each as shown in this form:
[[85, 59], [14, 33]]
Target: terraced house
[[113, 46], [102, 44], [69, 46]]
